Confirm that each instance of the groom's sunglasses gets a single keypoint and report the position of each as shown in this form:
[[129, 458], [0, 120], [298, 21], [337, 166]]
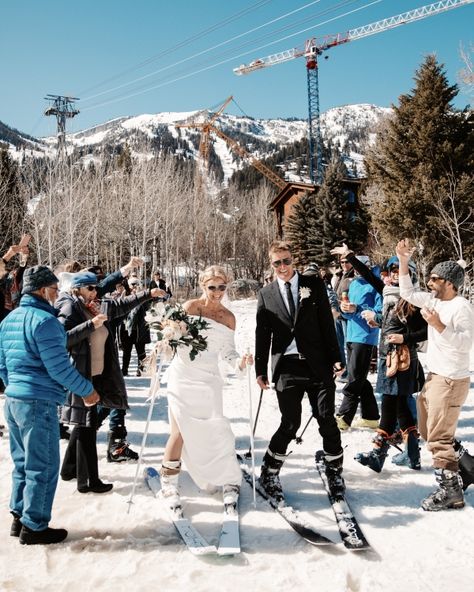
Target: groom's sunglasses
[[279, 262], [220, 287]]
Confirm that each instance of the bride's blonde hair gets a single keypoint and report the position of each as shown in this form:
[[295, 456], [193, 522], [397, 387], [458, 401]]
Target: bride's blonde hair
[[213, 271]]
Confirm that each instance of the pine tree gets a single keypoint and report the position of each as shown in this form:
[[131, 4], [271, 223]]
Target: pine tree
[[332, 214], [299, 226], [424, 148]]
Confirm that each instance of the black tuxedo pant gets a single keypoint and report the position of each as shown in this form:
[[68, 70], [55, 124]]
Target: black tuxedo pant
[[358, 389], [296, 379]]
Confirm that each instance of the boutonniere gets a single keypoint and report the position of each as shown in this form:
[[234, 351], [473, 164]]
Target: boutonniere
[[305, 292]]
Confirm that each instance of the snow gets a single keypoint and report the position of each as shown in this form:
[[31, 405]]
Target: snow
[[108, 549]]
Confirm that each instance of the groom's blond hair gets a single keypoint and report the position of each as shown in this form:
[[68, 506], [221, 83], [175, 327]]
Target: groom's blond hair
[[277, 247]]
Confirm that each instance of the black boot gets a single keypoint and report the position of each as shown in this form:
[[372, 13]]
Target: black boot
[[95, 487], [334, 472], [48, 536], [412, 444], [270, 476], [376, 457], [449, 494], [15, 528], [118, 449], [466, 464]]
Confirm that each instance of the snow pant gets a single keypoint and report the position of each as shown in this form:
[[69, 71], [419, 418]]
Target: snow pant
[[439, 405], [127, 345], [395, 408], [80, 459], [34, 448], [358, 388], [294, 381]]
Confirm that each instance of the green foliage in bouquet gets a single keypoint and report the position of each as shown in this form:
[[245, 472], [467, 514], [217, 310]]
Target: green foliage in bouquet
[[174, 328]]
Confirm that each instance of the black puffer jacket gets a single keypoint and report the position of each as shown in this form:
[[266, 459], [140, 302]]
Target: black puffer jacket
[[110, 384]]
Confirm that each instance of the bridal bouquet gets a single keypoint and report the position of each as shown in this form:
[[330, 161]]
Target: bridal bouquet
[[174, 328]]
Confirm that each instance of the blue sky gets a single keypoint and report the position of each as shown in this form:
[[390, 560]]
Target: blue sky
[[87, 47]]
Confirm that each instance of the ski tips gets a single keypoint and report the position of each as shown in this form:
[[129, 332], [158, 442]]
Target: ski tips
[[150, 472]]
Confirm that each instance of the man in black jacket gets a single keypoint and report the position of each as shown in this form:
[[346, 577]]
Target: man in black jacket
[[295, 323]]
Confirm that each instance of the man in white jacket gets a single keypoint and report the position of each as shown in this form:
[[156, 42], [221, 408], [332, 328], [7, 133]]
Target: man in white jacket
[[450, 319]]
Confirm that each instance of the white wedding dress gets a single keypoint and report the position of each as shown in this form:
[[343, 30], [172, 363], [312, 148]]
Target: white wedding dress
[[195, 401]]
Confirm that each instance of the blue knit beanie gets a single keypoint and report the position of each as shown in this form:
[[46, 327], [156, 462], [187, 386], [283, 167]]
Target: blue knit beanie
[[83, 278]]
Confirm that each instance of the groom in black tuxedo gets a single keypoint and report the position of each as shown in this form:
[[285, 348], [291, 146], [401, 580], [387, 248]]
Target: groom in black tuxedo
[[295, 323]]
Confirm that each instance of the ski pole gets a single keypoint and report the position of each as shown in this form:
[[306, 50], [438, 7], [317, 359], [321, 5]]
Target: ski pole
[[252, 448], [154, 388], [248, 454], [299, 438]]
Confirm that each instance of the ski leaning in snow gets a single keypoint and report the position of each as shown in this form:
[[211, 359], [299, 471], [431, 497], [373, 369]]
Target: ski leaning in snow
[[190, 536], [349, 529], [306, 531]]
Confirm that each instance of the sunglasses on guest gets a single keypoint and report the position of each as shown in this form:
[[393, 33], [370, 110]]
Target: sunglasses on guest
[[220, 288], [90, 288], [435, 278], [280, 262]]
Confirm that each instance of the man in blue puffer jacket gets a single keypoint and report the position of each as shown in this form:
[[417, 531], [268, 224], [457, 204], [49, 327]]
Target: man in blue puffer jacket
[[35, 367], [361, 339]]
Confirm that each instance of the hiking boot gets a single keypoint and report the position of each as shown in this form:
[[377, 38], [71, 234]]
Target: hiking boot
[[466, 464], [375, 459], [449, 494], [270, 476], [371, 424], [48, 536], [169, 477], [15, 528], [118, 449], [341, 424]]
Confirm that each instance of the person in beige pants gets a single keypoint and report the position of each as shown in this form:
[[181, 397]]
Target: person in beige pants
[[450, 319]]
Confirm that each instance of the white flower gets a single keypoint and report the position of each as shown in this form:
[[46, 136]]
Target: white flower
[[305, 292]]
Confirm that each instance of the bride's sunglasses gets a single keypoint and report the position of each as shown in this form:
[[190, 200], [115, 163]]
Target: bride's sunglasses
[[220, 287]]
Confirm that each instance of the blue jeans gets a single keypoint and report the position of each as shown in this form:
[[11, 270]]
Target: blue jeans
[[340, 325], [116, 417], [34, 447]]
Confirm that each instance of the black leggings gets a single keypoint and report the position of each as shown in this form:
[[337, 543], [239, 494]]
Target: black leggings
[[395, 409]]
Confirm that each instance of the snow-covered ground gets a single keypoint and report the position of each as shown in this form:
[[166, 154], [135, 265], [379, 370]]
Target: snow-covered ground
[[108, 549]]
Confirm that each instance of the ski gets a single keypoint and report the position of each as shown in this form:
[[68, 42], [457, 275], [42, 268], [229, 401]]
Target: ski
[[229, 539], [194, 541], [349, 529], [289, 514]]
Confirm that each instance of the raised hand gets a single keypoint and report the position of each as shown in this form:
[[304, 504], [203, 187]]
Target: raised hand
[[342, 251]]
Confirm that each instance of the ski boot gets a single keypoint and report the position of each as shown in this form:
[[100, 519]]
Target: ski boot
[[376, 457], [270, 476], [333, 465], [230, 494], [169, 476], [466, 464], [118, 449], [449, 494]]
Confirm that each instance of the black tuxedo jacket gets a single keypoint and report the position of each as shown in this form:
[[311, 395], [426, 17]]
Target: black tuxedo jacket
[[313, 328]]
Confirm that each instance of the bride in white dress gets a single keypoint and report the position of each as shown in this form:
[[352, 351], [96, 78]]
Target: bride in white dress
[[200, 434]]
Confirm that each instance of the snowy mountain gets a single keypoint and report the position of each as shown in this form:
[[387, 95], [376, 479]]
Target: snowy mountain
[[17, 142], [349, 128]]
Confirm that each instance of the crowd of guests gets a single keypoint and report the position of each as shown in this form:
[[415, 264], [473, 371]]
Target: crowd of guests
[[62, 330]]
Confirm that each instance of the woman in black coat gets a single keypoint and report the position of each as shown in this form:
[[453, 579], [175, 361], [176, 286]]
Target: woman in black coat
[[94, 353]]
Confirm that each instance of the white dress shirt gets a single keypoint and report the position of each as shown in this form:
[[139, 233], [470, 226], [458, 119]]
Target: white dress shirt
[[291, 349]]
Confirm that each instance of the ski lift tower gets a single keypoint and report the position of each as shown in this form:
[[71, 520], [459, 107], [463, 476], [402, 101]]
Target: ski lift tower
[[62, 108]]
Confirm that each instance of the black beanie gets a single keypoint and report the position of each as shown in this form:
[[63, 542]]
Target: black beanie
[[37, 277]]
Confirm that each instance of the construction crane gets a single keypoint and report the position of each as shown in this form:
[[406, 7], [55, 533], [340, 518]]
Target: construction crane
[[314, 47], [208, 126]]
